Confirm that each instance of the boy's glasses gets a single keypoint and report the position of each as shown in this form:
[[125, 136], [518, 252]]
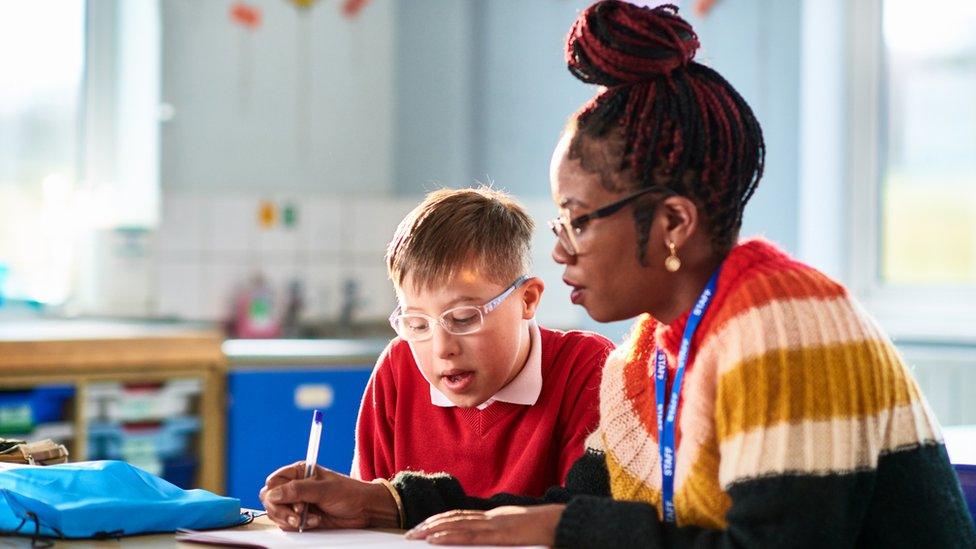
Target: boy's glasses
[[463, 320], [567, 229]]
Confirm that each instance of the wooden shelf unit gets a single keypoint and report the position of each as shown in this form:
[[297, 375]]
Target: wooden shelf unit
[[80, 361]]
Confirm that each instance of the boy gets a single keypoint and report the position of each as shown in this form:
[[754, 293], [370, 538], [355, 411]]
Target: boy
[[473, 386]]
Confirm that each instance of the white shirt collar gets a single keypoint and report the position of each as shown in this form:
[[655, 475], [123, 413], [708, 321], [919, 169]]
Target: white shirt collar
[[524, 389]]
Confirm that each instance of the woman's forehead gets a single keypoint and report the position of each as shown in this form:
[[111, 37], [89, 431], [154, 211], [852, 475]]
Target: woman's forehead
[[586, 172], [576, 188]]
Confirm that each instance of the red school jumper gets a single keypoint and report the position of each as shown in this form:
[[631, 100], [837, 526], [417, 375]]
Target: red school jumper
[[513, 448]]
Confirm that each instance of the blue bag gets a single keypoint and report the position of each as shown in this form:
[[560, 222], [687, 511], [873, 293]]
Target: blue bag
[[99, 499]]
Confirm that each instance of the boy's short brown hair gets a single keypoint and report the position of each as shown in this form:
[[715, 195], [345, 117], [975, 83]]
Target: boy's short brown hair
[[454, 229]]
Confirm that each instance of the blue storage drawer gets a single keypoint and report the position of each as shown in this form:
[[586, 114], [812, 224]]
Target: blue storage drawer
[[21, 411], [270, 411]]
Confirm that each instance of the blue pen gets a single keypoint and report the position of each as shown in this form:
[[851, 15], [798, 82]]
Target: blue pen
[[311, 456]]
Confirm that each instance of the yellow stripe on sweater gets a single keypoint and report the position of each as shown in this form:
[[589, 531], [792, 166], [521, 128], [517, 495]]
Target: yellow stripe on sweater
[[699, 499], [811, 383], [627, 487]]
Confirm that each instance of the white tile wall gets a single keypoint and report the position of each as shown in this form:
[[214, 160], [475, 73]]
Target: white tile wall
[[220, 280], [181, 227], [375, 291], [322, 289], [230, 223], [374, 220], [280, 275], [179, 289], [321, 225], [277, 244], [210, 244]]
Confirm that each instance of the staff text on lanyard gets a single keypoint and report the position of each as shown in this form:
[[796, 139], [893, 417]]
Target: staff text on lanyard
[[666, 421]]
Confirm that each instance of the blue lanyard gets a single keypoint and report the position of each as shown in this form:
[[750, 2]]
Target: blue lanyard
[[665, 424]]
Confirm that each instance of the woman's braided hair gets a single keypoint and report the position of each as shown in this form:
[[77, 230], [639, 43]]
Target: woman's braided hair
[[672, 119]]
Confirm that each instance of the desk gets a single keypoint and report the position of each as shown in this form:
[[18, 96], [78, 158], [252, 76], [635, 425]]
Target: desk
[[156, 541]]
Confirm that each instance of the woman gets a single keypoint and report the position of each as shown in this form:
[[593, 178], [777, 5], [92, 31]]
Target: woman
[[754, 403]]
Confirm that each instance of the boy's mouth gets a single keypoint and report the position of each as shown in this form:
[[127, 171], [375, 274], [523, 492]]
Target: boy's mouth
[[457, 380]]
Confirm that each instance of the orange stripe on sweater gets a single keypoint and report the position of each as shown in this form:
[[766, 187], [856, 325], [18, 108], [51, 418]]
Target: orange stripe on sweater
[[637, 381], [775, 281]]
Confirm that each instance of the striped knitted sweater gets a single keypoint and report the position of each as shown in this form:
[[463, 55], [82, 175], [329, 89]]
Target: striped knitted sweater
[[798, 425]]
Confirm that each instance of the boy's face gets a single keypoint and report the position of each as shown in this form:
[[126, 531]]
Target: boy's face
[[470, 368]]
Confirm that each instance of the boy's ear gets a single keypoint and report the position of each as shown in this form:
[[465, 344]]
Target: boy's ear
[[531, 295]]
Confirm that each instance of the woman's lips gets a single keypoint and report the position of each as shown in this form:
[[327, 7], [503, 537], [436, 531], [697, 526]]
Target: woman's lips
[[457, 380], [576, 296]]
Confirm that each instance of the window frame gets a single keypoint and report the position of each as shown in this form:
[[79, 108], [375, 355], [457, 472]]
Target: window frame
[[908, 312]]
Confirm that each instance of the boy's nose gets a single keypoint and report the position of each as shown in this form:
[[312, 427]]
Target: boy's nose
[[445, 343]]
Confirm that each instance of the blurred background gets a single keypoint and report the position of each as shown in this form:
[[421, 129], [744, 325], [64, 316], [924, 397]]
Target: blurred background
[[195, 196]]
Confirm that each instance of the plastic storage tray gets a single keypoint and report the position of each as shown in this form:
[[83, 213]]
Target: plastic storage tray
[[167, 439], [117, 402]]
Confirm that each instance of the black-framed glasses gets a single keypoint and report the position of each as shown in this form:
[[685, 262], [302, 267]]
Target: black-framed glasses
[[566, 229], [463, 320]]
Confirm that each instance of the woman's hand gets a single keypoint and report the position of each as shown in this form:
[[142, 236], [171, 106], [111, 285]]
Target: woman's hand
[[335, 500], [511, 525]]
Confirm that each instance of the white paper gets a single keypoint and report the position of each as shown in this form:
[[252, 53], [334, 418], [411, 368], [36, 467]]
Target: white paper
[[274, 538]]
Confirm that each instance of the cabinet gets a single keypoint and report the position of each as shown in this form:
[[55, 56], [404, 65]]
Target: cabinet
[[270, 414], [273, 388], [81, 357]]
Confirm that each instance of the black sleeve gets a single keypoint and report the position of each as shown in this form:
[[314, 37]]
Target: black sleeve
[[781, 511], [911, 500], [425, 495], [596, 522]]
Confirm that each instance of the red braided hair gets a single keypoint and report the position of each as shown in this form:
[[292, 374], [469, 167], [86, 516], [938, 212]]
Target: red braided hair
[[672, 112]]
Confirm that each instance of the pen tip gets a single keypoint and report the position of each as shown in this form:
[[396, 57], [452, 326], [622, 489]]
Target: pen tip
[[317, 416]]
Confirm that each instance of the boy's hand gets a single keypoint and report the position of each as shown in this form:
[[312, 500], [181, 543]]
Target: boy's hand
[[335, 500], [511, 525]]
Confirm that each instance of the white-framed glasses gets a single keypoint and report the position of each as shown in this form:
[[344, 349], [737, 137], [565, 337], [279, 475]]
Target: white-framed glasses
[[463, 320]]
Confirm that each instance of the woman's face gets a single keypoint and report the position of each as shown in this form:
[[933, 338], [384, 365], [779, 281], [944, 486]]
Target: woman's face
[[605, 275]]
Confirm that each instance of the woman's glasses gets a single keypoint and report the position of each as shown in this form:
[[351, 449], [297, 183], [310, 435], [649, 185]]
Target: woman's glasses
[[567, 229]]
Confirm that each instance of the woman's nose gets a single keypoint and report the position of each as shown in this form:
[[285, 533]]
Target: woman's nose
[[560, 255]]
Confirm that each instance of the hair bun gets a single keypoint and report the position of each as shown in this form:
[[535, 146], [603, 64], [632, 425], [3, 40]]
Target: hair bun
[[614, 42]]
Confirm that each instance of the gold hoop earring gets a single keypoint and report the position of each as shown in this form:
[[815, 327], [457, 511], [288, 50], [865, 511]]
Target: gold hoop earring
[[672, 263]]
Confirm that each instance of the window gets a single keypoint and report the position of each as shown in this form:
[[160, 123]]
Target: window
[[928, 143], [912, 166], [42, 55], [79, 142]]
